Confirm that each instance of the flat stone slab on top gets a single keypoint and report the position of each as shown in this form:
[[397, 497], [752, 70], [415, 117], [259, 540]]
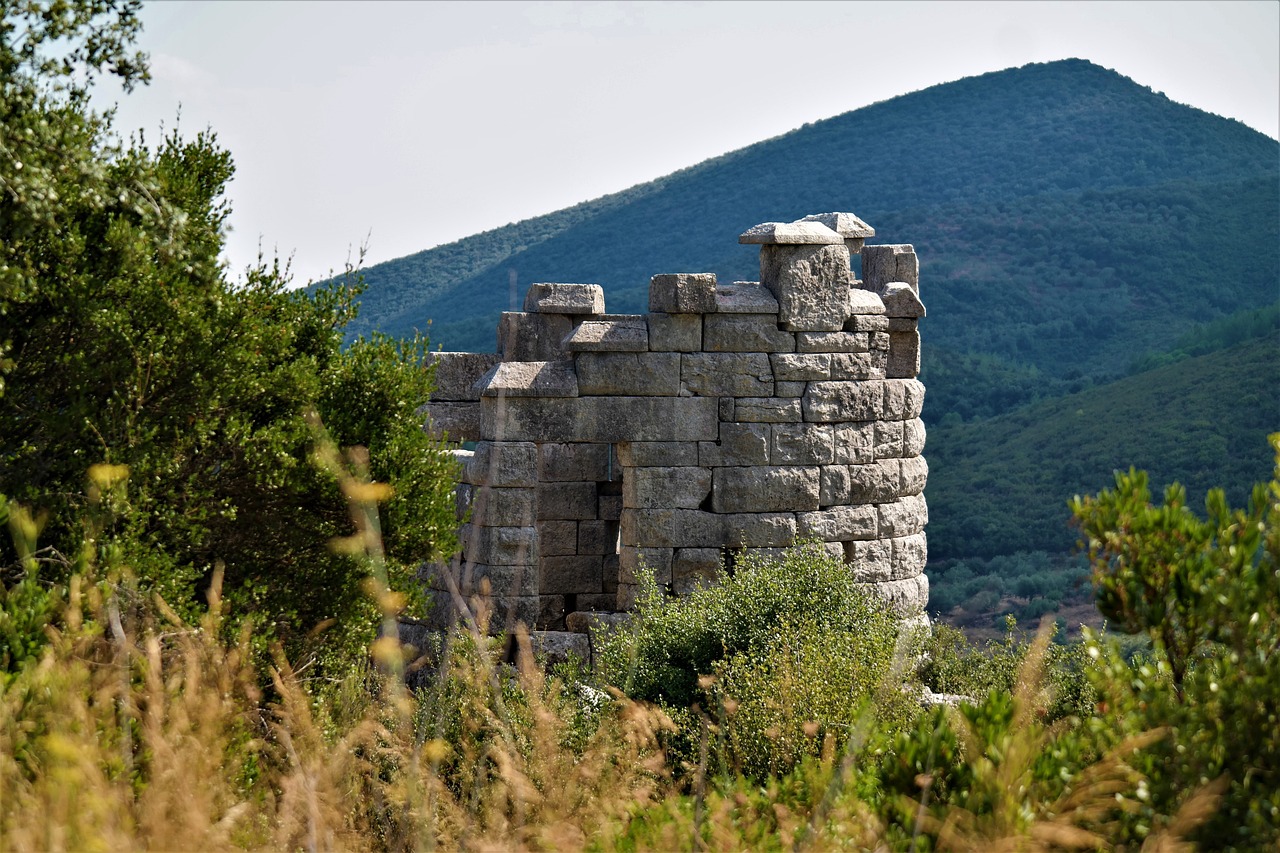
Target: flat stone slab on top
[[846, 225], [557, 298], [790, 233]]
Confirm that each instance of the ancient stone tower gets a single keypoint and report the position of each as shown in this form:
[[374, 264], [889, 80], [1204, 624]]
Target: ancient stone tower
[[731, 417]]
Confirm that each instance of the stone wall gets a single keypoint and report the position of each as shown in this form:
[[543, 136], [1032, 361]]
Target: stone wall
[[730, 418]]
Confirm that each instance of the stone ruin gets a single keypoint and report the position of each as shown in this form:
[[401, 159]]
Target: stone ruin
[[730, 418]]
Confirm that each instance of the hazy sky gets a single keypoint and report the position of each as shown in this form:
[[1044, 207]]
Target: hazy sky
[[415, 124]]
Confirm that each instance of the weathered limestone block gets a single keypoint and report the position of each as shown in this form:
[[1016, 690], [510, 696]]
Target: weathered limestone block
[[767, 410], [602, 418], [561, 461], [903, 324], [811, 284], [457, 372], [864, 302], [867, 323], [915, 474], [657, 488], [833, 486], [503, 464], [880, 341], [532, 337], [691, 528], [634, 561], [627, 594], [563, 575], [838, 524], [888, 440], [903, 399], [610, 507], [558, 298], [789, 389], [658, 453], [727, 374], [852, 366], [832, 342], [790, 234], [530, 379], [517, 580], [901, 300], [851, 228], [844, 401], [903, 517], [875, 482], [575, 501], [555, 647], [906, 597], [909, 556], [511, 610], [758, 530], [676, 332], [912, 437], [745, 297], [557, 538], [629, 335], [802, 444], [871, 560], [884, 264], [745, 333], [904, 355], [629, 374], [683, 293], [455, 421], [694, 567], [854, 443], [502, 507], [801, 367], [598, 537], [499, 546], [739, 445], [764, 488]]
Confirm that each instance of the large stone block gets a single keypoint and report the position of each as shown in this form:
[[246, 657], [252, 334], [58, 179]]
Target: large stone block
[[503, 464], [693, 568], [629, 374], [499, 546], [904, 355], [727, 374], [453, 421], [557, 538], [691, 528], [802, 444], [675, 332], [566, 575], [658, 453], [745, 297], [555, 647], [804, 232], [530, 379], [870, 560], [532, 337], [903, 399], [560, 501], [864, 302], [833, 486], [768, 410], [502, 507], [912, 437], [560, 461], [657, 488], [832, 342], [739, 445], [551, 614], [854, 443], [629, 335], [559, 298], [888, 440], [884, 264], [634, 562], [598, 537], [502, 580], [857, 366], [605, 419], [811, 284], [915, 474], [801, 367], [838, 523], [910, 553], [875, 482], [765, 489], [683, 293], [829, 402], [745, 333], [867, 322], [906, 597], [851, 228], [903, 517], [901, 300], [610, 507], [758, 530], [456, 373]]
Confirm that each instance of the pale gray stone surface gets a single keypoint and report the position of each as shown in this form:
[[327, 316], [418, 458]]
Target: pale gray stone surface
[[880, 340], [801, 367], [570, 574], [906, 597], [854, 442], [683, 293], [833, 489], [745, 333], [745, 297], [875, 482], [631, 335], [502, 507], [912, 437], [802, 444], [888, 439], [883, 264], [832, 342], [900, 300], [864, 302], [666, 487], [868, 323], [790, 233], [503, 463], [903, 324], [659, 453], [848, 366], [635, 561], [532, 337], [629, 374], [710, 374], [739, 445], [560, 298], [557, 538], [903, 399], [915, 473], [559, 461], [691, 528], [676, 332], [530, 379], [811, 284], [845, 224], [692, 568], [871, 560], [499, 546], [844, 401], [904, 355], [768, 410], [575, 501], [457, 372], [453, 421], [789, 389], [602, 418], [909, 556], [838, 523], [555, 647], [765, 488], [903, 517]]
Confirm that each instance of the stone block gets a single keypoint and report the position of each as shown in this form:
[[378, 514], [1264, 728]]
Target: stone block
[[556, 647], [875, 482], [503, 464], [903, 324], [566, 575], [880, 341], [870, 560], [512, 610], [726, 410], [903, 517], [727, 374], [676, 332], [909, 556], [789, 389], [790, 234], [559, 298], [739, 445], [597, 537], [683, 293], [832, 342], [884, 264], [901, 300], [846, 225], [588, 602], [629, 374], [765, 488], [627, 594], [915, 474], [499, 546], [453, 421], [691, 528], [456, 373], [462, 496], [633, 562], [833, 486], [801, 367], [502, 507], [811, 284], [912, 437], [903, 399], [867, 323], [745, 297], [802, 444], [888, 440], [692, 568], [838, 523], [501, 580], [768, 410], [557, 538], [629, 335], [658, 453], [606, 419], [904, 355], [560, 461], [829, 402], [856, 366], [532, 337], [610, 507], [745, 333], [854, 443], [905, 597], [863, 302], [566, 501], [758, 530], [551, 614], [530, 379], [647, 488]]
